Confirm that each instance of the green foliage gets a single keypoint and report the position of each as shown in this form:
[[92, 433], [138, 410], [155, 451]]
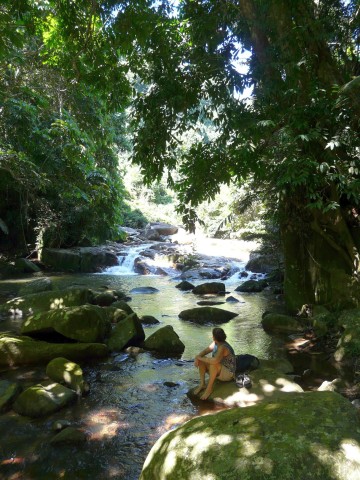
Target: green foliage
[[58, 133], [294, 137]]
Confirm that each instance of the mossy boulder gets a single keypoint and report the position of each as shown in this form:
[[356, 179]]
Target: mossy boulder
[[123, 306], [23, 265], [86, 323], [43, 284], [41, 401], [349, 343], [278, 322], [312, 435], [105, 299], [321, 323], [8, 393], [43, 301], [66, 372], [20, 350], [94, 259], [209, 287], [165, 340], [252, 286], [128, 332], [261, 263], [61, 259], [82, 259], [114, 314], [207, 315]]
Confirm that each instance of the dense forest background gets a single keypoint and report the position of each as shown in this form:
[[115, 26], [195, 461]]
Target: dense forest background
[[86, 86]]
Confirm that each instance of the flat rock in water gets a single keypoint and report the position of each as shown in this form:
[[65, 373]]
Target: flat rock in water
[[207, 315], [144, 290]]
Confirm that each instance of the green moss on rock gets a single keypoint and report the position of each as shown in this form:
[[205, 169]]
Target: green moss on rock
[[312, 435]]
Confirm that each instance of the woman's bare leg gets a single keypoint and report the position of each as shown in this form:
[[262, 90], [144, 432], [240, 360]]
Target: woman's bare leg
[[202, 370], [214, 371]]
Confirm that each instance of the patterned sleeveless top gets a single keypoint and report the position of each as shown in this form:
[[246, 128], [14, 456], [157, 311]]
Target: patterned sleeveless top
[[229, 362]]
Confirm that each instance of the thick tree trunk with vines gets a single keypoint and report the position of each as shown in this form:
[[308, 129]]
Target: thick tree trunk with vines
[[321, 254]]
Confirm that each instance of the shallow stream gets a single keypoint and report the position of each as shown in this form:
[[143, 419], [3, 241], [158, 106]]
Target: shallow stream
[[133, 398]]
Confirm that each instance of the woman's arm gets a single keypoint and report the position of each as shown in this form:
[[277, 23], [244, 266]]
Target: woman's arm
[[206, 350], [213, 360]]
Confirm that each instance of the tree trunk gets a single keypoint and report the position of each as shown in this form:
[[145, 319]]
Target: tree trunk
[[321, 259]]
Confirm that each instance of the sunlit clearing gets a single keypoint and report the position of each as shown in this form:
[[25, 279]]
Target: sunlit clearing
[[344, 463]]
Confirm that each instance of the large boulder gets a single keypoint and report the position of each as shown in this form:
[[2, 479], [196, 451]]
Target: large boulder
[[128, 332], [299, 436], [66, 372], [61, 259], [114, 314], [20, 350], [201, 273], [43, 284], [278, 322], [86, 324], [348, 346], [209, 287], [207, 315], [94, 259], [259, 263], [43, 301], [105, 299], [252, 286], [40, 400], [83, 259], [161, 228], [24, 265], [123, 306], [8, 393], [164, 340]]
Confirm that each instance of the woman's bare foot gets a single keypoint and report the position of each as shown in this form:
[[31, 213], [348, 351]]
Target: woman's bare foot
[[199, 389], [206, 395]]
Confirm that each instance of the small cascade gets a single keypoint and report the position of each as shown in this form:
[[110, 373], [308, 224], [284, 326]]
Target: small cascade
[[126, 262]]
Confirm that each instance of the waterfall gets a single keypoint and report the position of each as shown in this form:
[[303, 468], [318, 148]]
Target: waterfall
[[126, 262]]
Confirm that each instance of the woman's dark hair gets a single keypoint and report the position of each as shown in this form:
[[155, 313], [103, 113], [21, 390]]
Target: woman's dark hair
[[219, 334]]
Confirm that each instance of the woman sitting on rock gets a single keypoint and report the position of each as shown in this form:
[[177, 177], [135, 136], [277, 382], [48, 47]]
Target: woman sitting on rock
[[221, 365]]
